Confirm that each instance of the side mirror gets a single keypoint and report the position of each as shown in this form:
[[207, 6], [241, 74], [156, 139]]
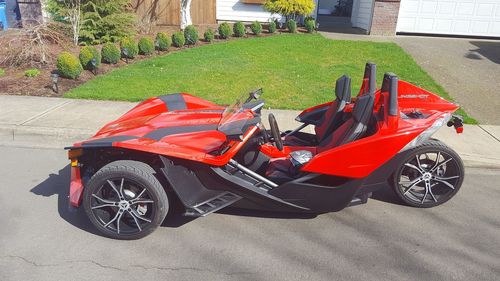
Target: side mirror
[[255, 95]]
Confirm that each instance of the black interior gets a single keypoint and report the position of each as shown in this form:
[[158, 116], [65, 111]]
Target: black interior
[[282, 170], [330, 119], [355, 128], [343, 97], [336, 127]]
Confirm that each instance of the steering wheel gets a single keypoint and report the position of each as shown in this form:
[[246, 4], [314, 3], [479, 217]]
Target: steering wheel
[[275, 132]]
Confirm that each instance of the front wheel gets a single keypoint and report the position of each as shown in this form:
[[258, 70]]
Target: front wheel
[[124, 200], [431, 174]]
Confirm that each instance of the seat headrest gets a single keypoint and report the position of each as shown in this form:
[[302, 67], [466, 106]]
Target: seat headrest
[[368, 68], [343, 89], [363, 109], [371, 75], [387, 81]]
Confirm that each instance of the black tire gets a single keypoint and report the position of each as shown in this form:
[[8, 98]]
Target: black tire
[[104, 200], [441, 179]]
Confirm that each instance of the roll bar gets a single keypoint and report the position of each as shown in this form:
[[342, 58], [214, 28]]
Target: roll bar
[[371, 75], [390, 84]]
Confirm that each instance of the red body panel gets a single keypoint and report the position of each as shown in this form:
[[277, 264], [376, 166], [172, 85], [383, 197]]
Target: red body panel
[[358, 144], [155, 106], [413, 97], [360, 158], [273, 152], [153, 114], [143, 125], [195, 147], [356, 159]]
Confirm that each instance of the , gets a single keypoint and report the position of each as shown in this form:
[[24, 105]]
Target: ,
[[180, 148]]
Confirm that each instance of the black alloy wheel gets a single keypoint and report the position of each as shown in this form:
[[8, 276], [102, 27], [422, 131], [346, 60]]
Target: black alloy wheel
[[124, 200], [431, 174]]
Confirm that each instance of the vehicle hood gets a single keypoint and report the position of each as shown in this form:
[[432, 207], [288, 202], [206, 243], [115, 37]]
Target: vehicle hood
[[175, 120]]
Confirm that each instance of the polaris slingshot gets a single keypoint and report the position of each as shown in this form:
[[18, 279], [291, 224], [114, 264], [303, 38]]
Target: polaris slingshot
[[208, 157]]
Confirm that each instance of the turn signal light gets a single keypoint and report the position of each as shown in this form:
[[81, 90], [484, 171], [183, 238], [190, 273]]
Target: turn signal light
[[75, 153], [456, 121]]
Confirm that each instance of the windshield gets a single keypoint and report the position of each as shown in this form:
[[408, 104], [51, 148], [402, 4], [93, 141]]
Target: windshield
[[232, 110], [236, 117]]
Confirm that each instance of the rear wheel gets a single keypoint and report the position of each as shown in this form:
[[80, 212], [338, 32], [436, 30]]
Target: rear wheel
[[430, 175], [124, 200]]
